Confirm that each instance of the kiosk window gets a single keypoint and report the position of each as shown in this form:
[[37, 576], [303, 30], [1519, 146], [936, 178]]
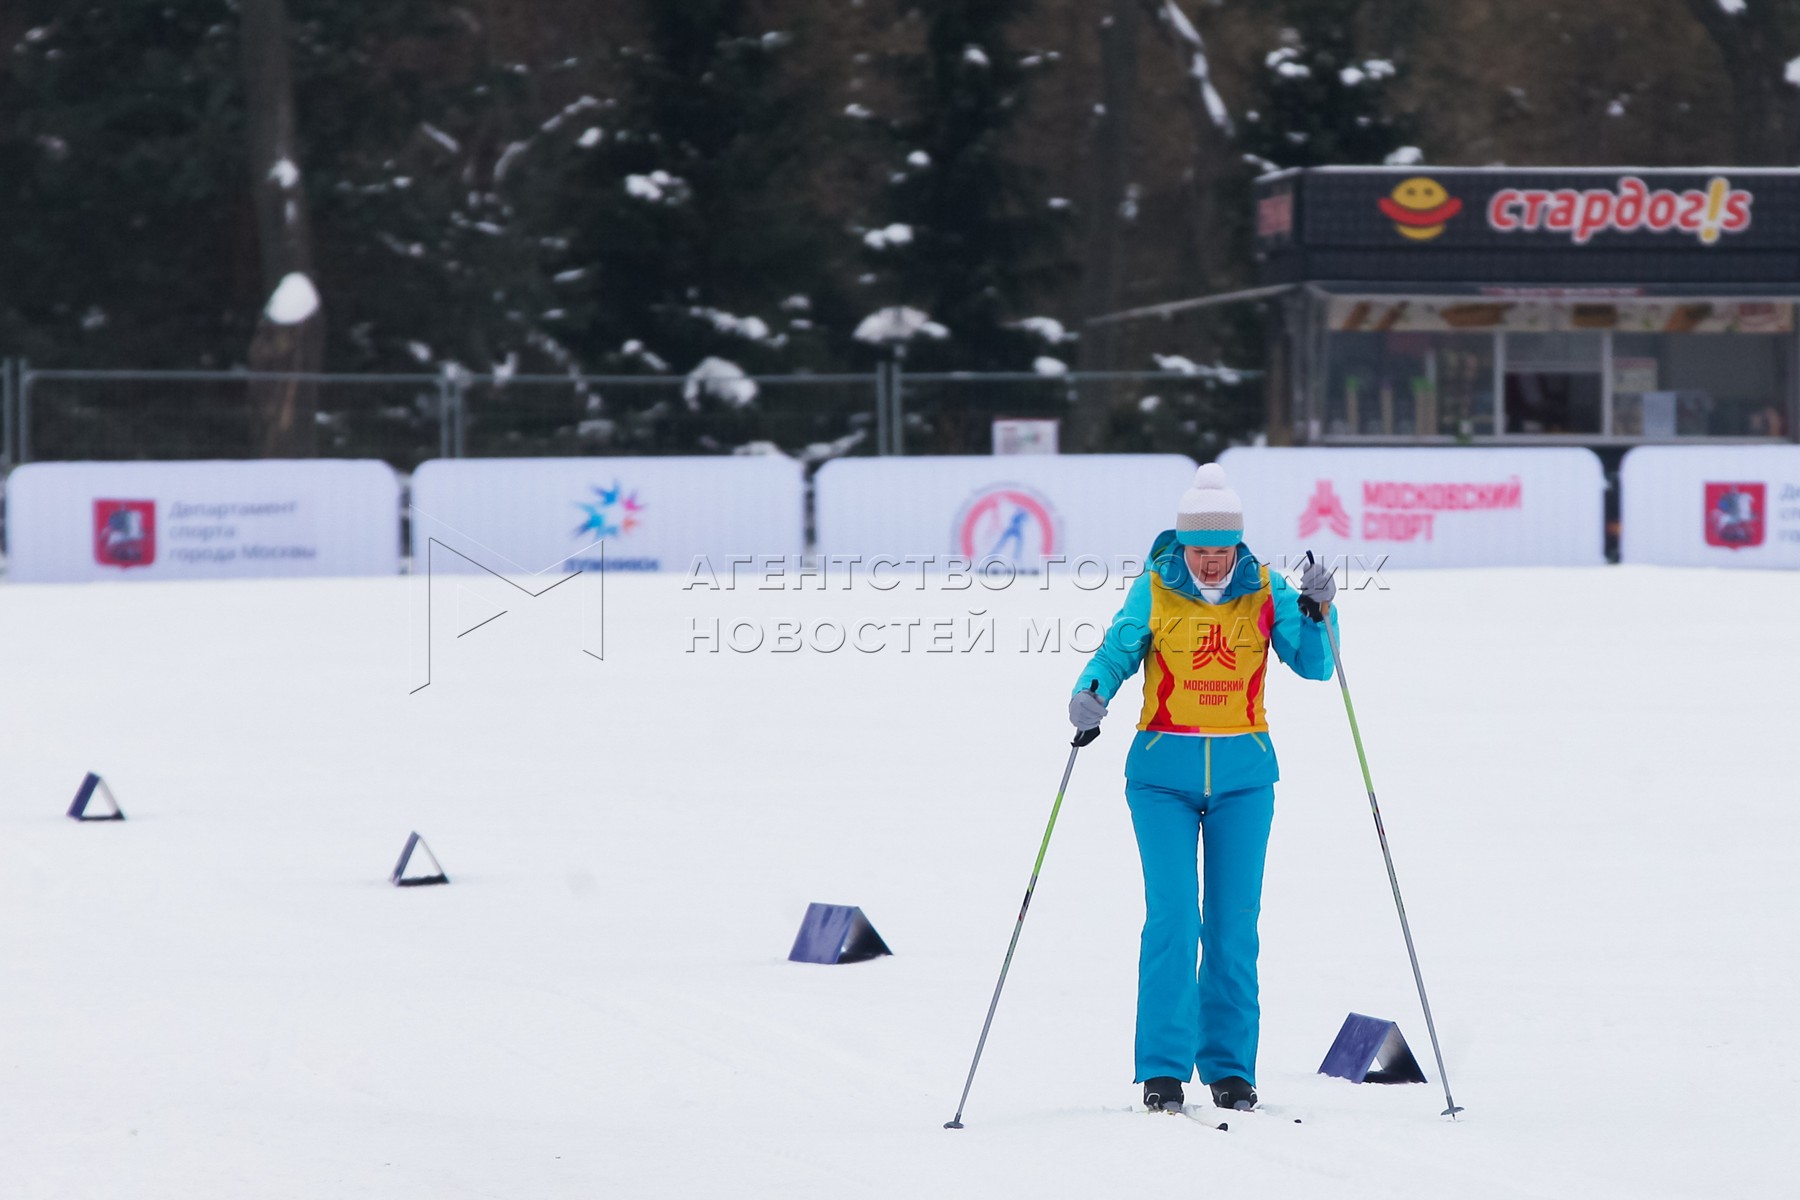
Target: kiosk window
[[1423, 367], [1699, 385], [1392, 383], [1553, 382]]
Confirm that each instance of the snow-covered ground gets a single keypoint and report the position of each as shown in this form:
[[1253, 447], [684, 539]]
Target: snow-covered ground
[[1587, 778]]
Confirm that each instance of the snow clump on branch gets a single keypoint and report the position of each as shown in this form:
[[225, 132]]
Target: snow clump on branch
[[294, 302], [1199, 68], [719, 378], [658, 187], [893, 235], [1048, 328], [898, 325]]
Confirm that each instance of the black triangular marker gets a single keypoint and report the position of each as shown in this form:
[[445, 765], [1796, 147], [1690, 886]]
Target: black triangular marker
[[836, 933], [1371, 1050], [93, 787], [418, 866]]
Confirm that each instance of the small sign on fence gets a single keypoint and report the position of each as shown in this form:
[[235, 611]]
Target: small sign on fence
[[1026, 437]]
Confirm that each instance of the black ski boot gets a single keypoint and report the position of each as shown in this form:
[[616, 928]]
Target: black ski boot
[[1233, 1092], [1163, 1092]]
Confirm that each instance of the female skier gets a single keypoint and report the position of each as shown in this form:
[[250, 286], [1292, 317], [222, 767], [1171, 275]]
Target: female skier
[[1199, 779]]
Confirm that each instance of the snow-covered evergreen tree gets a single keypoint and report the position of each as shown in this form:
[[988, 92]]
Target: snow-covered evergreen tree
[[418, 184], [120, 165], [691, 220], [961, 233], [693, 241], [1323, 99]]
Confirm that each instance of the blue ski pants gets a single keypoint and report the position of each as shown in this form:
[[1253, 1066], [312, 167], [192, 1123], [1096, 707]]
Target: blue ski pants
[[1197, 998]]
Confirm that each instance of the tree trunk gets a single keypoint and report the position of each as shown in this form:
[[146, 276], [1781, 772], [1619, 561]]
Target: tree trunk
[[1104, 256], [1214, 156], [1755, 46], [284, 414]]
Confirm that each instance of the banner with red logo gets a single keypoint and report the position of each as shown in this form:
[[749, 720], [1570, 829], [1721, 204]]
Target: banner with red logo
[[1426, 507], [530, 516], [1711, 506], [75, 522], [1026, 511]]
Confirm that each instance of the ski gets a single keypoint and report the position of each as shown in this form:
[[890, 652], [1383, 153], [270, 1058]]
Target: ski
[[1205, 1113], [1271, 1112], [1280, 1112], [1202, 1114]]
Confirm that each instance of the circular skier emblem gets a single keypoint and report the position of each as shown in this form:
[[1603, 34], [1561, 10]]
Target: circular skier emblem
[[1009, 522]]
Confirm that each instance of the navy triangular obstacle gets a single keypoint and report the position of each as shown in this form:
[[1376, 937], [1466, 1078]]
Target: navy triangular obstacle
[[836, 933], [418, 866], [94, 801], [1370, 1050]]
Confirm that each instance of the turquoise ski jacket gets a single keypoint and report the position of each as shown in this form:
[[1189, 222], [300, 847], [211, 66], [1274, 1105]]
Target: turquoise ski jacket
[[1208, 765]]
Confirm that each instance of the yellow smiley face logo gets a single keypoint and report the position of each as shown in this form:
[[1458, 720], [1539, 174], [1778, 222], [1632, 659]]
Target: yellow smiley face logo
[[1419, 207]]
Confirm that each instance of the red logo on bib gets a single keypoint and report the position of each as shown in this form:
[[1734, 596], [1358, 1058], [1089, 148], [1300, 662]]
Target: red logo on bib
[[1212, 647]]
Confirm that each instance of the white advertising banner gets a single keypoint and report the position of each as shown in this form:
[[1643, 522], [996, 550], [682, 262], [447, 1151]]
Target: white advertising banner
[[1425, 507], [1027, 510], [75, 522], [1711, 506], [528, 515]]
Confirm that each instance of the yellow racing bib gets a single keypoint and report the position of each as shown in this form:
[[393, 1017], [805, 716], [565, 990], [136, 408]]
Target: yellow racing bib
[[1204, 668]]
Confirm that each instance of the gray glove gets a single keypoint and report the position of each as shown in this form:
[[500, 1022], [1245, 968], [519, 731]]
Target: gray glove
[[1086, 710], [1317, 588]]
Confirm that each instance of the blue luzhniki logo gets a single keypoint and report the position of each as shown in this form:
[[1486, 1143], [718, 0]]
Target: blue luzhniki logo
[[612, 513]]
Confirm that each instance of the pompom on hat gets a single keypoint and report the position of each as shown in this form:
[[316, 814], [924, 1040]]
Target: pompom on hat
[[1210, 513]]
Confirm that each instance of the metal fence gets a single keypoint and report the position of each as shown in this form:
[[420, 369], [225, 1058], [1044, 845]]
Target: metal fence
[[111, 415], [636, 414], [61, 415], [1111, 411]]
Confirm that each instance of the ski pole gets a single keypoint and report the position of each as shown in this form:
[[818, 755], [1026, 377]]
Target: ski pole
[[1337, 660], [1082, 738]]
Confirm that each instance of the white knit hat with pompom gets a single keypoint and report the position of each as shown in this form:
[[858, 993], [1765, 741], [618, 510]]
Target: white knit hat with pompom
[[1210, 513]]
